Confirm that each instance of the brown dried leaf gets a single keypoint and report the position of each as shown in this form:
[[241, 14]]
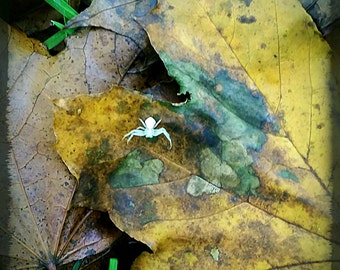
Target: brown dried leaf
[[41, 224]]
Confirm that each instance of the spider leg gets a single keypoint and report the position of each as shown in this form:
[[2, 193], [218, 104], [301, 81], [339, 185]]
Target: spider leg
[[132, 131], [157, 123], [136, 132], [163, 131], [142, 122]]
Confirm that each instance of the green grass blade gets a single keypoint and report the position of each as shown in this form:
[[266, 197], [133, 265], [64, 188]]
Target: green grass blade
[[58, 24], [77, 265], [63, 7], [113, 264], [58, 37]]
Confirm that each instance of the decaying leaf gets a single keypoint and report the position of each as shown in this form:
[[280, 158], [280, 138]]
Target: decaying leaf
[[290, 65], [244, 236], [43, 230], [112, 54], [116, 16], [247, 184], [272, 73]]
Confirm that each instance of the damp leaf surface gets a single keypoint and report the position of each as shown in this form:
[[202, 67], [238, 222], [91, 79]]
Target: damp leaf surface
[[252, 149], [273, 106]]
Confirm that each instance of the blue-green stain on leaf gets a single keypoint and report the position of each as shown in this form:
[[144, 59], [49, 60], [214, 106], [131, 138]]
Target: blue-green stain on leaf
[[143, 7], [132, 207], [249, 181], [124, 203], [147, 212], [287, 174], [248, 105], [217, 172], [226, 106], [233, 116], [97, 154], [90, 252], [136, 170], [235, 154]]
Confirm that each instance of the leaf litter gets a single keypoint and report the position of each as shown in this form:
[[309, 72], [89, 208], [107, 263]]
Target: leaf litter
[[236, 119], [236, 144], [43, 229]]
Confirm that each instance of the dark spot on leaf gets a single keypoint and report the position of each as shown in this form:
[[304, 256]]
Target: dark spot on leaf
[[219, 29], [192, 205], [124, 203], [88, 184], [90, 252], [234, 199], [247, 2], [320, 126], [209, 138], [247, 20]]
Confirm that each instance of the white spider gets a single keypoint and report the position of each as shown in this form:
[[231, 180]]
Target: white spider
[[148, 130]]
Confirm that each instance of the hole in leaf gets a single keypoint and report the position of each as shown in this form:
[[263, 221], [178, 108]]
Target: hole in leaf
[[158, 83]]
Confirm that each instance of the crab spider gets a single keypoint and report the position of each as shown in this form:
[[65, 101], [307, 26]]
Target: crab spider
[[148, 130]]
